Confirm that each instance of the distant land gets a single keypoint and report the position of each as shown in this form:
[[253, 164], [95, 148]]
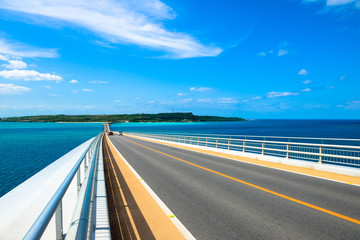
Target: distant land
[[141, 117]]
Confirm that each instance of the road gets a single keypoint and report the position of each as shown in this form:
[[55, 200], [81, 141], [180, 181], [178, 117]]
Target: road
[[218, 198]]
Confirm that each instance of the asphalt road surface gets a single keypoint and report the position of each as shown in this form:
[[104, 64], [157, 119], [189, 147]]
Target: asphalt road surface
[[218, 198]]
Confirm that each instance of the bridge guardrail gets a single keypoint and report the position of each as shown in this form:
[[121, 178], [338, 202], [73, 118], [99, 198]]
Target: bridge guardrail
[[85, 193], [294, 148]]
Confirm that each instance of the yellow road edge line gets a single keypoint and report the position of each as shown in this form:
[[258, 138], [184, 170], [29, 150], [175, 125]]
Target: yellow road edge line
[[257, 187], [131, 219]]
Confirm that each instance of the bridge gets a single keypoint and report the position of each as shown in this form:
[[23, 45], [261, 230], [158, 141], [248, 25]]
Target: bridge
[[156, 186]]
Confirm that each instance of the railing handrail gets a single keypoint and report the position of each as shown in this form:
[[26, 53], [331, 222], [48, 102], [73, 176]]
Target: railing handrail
[[78, 228], [40, 224], [262, 141], [341, 154], [252, 136]]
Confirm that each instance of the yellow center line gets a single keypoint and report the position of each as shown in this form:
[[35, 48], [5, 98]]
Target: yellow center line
[[257, 187]]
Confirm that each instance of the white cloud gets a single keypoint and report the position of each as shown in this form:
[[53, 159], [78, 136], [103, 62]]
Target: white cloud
[[186, 100], [29, 75], [22, 50], [205, 100], [90, 107], [75, 91], [202, 89], [44, 86], [98, 82], [151, 102], [227, 100], [3, 58], [281, 94], [353, 105], [264, 53], [136, 22], [256, 98], [10, 89], [335, 3], [339, 2], [303, 72], [15, 64], [306, 82], [87, 90], [117, 101], [181, 94], [282, 52], [306, 90], [73, 81]]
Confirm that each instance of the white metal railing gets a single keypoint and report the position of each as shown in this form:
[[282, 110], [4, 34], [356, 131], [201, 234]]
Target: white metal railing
[[294, 148], [82, 216]]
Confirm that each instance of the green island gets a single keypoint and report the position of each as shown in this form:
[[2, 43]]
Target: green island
[[140, 117]]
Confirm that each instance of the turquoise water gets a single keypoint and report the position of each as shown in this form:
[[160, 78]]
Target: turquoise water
[[26, 148]]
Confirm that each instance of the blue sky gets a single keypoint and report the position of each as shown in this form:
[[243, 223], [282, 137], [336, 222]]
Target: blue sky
[[259, 59]]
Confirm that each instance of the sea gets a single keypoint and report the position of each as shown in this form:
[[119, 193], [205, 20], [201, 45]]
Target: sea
[[26, 148]]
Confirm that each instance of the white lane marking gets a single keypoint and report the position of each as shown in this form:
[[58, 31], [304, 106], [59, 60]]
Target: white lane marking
[[162, 205], [195, 150]]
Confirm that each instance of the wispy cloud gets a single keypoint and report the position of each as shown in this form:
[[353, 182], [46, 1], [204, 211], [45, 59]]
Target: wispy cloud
[[353, 105], [4, 58], [306, 90], [202, 89], [342, 78], [98, 82], [87, 90], [265, 53], [256, 98], [303, 72], [29, 75], [336, 3], [127, 21], [11, 89], [227, 100], [306, 82], [181, 94], [73, 81], [281, 94], [282, 52], [16, 49], [205, 100], [15, 64]]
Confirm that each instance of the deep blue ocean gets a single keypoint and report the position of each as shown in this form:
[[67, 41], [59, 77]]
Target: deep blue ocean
[[26, 148]]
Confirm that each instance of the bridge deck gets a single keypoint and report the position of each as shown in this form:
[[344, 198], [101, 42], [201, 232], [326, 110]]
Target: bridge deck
[[133, 212], [219, 198]]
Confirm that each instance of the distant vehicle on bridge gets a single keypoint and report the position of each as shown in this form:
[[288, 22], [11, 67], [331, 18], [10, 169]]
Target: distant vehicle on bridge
[[111, 133], [120, 133]]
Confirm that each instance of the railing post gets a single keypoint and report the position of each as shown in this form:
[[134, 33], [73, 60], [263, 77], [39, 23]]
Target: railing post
[[217, 141], [190, 140], [287, 151], [244, 144], [320, 152], [229, 141], [198, 141], [206, 141], [263, 148], [59, 222], [78, 180]]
